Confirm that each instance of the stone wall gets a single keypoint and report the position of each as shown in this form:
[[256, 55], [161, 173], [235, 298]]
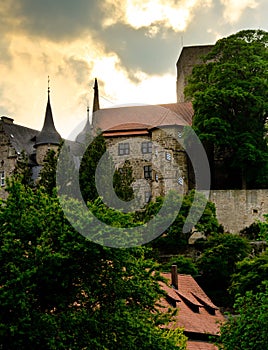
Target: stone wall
[[167, 159], [238, 209], [8, 159], [189, 57], [42, 151]]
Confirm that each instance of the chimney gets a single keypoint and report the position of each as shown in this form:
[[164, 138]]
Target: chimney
[[7, 120], [174, 276]]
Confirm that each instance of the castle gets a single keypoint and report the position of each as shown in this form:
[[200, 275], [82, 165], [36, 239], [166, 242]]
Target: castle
[[150, 136], [17, 141]]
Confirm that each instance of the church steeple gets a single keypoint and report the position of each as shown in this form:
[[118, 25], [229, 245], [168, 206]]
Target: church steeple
[[96, 103], [48, 134]]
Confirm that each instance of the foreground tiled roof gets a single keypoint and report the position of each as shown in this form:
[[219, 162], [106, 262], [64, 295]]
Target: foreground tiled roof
[[142, 117], [197, 314], [199, 345]]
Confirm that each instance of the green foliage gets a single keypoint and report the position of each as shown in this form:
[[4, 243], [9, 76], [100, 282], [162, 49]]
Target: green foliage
[[23, 171], [88, 167], [174, 240], [184, 264], [219, 258], [60, 291], [217, 264], [250, 274], [249, 329], [48, 172], [230, 94], [263, 225], [122, 182]]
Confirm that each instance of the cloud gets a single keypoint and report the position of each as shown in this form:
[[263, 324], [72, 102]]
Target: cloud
[[233, 9], [153, 14], [131, 46]]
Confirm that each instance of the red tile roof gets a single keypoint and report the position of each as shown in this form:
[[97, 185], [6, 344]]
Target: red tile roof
[[200, 345], [143, 117], [196, 312]]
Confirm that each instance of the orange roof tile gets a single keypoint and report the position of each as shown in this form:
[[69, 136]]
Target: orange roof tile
[[200, 345], [197, 313], [143, 116]]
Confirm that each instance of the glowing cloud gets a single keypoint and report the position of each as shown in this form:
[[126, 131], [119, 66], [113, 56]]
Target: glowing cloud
[[235, 8], [154, 13]]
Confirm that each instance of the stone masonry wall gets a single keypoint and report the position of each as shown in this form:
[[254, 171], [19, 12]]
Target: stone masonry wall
[[238, 209], [8, 159], [189, 57], [167, 172]]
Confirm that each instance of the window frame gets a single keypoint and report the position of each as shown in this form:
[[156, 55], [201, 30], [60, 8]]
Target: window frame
[[147, 172], [2, 178], [168, 156], [123, 148], [146, 147]]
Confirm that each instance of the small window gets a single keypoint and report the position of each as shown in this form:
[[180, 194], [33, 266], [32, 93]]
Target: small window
[[168, 156], [156, 177], [146, 147], [2, 178], [147, 197], [180, 181], [147, 172], [123, 148], [179, 134]]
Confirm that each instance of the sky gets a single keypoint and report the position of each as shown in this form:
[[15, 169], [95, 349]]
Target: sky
[[130, 46]]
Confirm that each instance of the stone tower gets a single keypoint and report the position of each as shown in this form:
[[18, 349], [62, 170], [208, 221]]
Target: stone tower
[[189, 57], [48, 138]]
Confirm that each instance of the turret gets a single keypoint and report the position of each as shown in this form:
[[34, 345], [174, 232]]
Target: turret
[[48, 138]]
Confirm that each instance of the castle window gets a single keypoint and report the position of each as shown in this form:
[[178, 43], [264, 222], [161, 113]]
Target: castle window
[[147, 171], [179, 134], [156, 177], [180, 181], [2, 178], [123, 148], [146, 147], [147, 197], [168, 156]]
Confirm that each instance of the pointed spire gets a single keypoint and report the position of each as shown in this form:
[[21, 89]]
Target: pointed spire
[[81, 137], [48, 134], [96, 104]]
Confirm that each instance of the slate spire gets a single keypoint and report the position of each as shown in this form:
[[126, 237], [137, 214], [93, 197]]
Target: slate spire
[[48, 134], [96, 103], [81, 137]]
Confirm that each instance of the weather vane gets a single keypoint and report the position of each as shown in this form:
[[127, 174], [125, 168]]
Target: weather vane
[[48, 82]]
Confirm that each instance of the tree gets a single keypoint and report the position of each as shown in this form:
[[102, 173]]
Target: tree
[[230, 94], [217, 263], [248, 330], [263, 225], [88, 167], [61, 291], [185, 265], [122, 182], [174, 240], [23, 171], [48, 172], [250, 274]]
